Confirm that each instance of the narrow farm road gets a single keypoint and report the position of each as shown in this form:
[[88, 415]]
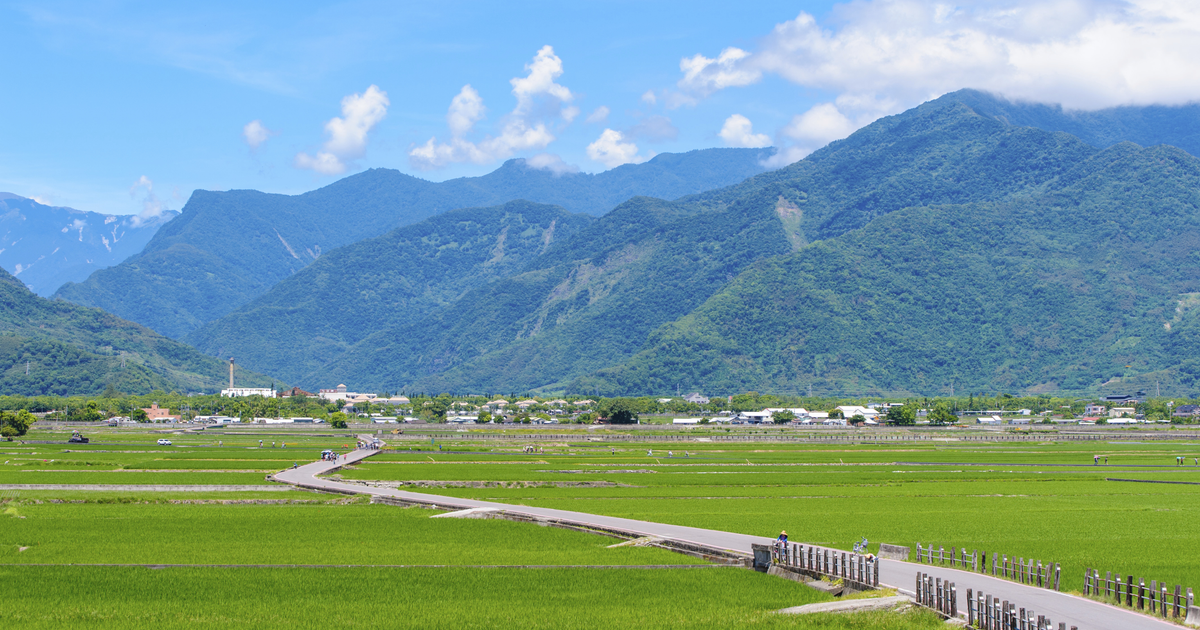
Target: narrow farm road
[[1059, 607]]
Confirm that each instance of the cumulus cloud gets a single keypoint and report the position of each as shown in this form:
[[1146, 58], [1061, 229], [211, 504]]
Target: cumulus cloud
[[599, 115], [649, 98], [255, 134], [539, 99], [152, 206], [611, 150], [1084, 54], [704, 76], [347, 134], [655, 129], [738, 132], [882, 56], [552, 163]]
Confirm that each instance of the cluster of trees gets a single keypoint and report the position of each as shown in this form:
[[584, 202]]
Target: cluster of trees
[[15, 423]]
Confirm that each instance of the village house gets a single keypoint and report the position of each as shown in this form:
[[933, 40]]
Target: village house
[[154, 413]]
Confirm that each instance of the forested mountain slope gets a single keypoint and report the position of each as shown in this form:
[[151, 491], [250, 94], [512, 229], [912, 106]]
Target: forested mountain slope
[[46, 246], [227, 248], [74, 350], [1088, 283], [593, 301], [380, 282]]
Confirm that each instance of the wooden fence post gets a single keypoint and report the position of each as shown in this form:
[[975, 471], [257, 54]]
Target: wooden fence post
[[1129, 591], [970, 608], [1141, 594], [1058, 574], [1152, 592], [1107, 583], [1176, 601], [953, 600], [1087, 581], [975, 560]]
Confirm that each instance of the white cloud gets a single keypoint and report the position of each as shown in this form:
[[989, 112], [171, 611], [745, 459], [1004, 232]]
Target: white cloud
[[738, 132], [255, 134], [730, 69], [1085, 54], [347, 133], [552, 163], [599, 115], [543, 70], [525, 128], [466, 109], [611, 150], [882, 56], [152, 206], [45, 201], [649, 98]]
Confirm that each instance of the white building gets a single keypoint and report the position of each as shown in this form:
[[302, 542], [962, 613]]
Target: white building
[[849, 411], [241, 392]]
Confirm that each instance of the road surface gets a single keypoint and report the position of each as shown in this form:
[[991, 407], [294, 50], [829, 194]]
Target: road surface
[[1059, 607]]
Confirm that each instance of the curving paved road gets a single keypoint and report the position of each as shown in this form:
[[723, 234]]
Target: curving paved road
[[1059, 607]]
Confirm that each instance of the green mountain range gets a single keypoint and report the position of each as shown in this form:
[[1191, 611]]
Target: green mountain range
[[402, 276], [54, 347], [944, 249], [1088, 281], [227, 248]]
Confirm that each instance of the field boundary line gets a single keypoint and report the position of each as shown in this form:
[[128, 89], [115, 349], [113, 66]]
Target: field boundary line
[[1185, 483]]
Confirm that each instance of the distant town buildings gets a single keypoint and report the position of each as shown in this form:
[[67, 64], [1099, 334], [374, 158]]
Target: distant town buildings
[[242, 392]]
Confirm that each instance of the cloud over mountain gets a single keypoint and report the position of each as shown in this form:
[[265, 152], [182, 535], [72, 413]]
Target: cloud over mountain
[[347, 133], [878, 57], [540, 102]]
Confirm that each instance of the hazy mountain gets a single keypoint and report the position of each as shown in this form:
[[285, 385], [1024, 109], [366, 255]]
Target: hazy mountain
[[1151, 125], [227, 248], [402, 276], [68, 349], [46, 246]]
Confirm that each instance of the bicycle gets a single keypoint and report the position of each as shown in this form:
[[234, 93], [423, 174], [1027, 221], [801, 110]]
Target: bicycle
[[861, 547]]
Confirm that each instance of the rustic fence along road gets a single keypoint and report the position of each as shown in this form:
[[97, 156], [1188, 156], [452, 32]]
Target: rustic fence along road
[[1085, 613], [1031, 572], [1155, 599]]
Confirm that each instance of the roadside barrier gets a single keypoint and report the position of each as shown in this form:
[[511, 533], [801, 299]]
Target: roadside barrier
[[856, 571], [990, 613], [1154, 599], [1031, 572]]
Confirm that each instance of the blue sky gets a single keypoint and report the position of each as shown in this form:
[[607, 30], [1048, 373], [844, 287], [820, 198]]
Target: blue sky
[[126, 107]]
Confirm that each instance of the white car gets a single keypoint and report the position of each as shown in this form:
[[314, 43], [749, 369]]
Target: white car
[[164, 442]]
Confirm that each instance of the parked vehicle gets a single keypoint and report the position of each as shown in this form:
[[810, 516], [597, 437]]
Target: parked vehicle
[[164, 442], [76, 438]]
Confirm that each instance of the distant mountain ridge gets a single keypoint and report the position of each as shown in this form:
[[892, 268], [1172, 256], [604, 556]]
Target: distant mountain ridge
[[402, 276], [1148, 125], [46, 246], [884, 227], [55, 347], [227, 248], [1088, 283], [594, 300]]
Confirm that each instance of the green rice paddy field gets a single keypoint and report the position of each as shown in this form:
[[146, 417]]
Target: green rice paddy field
[[1032, 499]]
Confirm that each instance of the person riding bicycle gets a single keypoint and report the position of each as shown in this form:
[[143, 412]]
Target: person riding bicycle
[[782, 540]]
